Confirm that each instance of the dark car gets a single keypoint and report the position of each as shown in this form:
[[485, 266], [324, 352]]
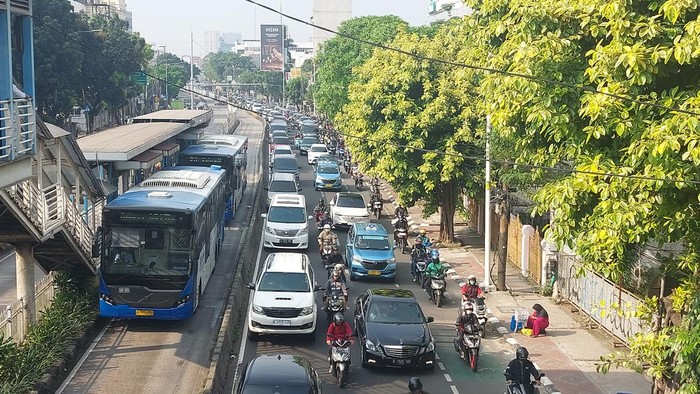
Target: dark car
[[284, 374], [286, 164], [309, 128], [392, 330], [305, 144]]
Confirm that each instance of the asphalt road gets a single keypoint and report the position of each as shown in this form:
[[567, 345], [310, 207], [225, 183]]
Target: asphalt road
[[169, 357], [451, 375]]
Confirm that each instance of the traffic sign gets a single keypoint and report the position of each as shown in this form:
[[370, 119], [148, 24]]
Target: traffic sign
[[140, 77]]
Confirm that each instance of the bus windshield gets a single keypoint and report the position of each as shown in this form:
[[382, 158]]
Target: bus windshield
[[147, 251]]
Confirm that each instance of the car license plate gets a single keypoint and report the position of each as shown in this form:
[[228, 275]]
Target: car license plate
[[285, 241], [143, 312], [374, 272], [281, 322], [400, 362]]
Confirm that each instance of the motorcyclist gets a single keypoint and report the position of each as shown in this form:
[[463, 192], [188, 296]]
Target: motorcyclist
[[467, 322], [434, 268], [335, 283], [417, 252], [472, 290], [520, 369], [326, 236], [321, 206], [401, 225], [336, 258], [415, 386], [338, 329], [424, 238], [400, 211]]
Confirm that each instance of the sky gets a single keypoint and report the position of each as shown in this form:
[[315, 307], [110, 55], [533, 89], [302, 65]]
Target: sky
[[169, 22]]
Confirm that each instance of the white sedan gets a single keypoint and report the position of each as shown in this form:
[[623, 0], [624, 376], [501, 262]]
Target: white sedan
[[315, 151], [348, 208]]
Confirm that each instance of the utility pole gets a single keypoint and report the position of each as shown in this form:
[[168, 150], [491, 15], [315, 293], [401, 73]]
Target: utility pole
[[284, 58], [191, 69], [504, 213], [487, 210]]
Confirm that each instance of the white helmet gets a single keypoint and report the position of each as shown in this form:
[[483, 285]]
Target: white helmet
[[326, 226], [468, 307], [469, 279], [339, 267]]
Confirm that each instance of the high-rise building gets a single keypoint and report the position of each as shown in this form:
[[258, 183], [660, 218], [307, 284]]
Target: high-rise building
[[116, 8], [329, 14], [211, 41], [440, 10]]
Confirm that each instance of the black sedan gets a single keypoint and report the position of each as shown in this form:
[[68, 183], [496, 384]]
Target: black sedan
[[306, 143], [279, 374], [392, 330]]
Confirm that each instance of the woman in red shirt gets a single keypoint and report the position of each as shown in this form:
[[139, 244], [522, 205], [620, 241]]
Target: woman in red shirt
[[538, 321]]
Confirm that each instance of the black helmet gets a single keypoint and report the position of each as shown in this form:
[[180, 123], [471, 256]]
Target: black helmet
[[415, 384], [338, 318], [522, 353]]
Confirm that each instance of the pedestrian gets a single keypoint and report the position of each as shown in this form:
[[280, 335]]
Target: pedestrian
[[538, 321]]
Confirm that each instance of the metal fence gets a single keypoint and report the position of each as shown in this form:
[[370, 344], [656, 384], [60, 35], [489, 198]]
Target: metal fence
[[602, 300], [14, 322]]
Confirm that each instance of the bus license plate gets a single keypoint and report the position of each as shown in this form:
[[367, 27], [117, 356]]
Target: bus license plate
[[282, 322], [374, 272], [143, 312]]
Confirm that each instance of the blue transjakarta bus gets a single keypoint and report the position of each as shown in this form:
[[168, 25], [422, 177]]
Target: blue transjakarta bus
[[225, 150], [159, 244]]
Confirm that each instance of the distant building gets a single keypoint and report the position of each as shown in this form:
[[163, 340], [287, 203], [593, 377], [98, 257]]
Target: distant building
[[116, 8], [440, 10], [211, 41], [230, 38], [300, 52], [329, 14]]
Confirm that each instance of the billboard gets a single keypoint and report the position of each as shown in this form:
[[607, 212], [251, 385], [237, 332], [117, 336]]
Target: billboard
[[272, 47]]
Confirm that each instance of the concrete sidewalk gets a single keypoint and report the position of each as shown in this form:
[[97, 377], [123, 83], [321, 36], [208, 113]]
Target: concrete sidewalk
[[567, 353]]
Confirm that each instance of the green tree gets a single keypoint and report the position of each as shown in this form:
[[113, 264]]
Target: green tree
[[217, 66], [339, 55], [170, 70], [402, 110]]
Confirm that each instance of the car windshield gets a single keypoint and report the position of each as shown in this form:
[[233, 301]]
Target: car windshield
[[294, 282], [286, 215], [283, 151], [309, 141], [385, 311], [351, 202], [283, 186], [375, 242], [280, 141], [319, 149], [328, 170], [285, 164]]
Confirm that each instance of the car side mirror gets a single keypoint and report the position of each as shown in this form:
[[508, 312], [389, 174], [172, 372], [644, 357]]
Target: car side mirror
[[298, 167], [263, 215], [331, 203], [318, 288], [250, 285], [429, 319], [299, 189], [266, 188]]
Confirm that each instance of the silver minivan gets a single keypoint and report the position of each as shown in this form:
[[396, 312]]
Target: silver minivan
[[281, 182]]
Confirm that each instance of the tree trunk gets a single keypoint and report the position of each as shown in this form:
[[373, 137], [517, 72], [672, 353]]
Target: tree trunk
[[448, 207], [503, 241]]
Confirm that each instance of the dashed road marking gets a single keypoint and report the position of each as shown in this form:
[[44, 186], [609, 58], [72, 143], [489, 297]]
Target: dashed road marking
[[437, 356], [448, 378], [454, 390], [441, 366]]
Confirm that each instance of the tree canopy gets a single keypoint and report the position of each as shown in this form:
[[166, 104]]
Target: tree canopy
[[218, 65]]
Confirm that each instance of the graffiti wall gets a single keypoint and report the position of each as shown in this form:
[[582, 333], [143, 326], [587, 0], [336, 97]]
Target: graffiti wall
[[599, 298]]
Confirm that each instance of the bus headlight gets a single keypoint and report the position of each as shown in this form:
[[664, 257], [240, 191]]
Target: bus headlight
[[107, 298], [183, 300]]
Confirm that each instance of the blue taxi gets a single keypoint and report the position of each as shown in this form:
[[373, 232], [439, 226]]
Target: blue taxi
[[370, 252]]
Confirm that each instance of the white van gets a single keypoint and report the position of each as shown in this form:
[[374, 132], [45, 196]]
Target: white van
[[286, 223], [281, 182], [284, 300]]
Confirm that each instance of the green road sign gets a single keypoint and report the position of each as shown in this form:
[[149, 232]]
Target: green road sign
[[140, 77]]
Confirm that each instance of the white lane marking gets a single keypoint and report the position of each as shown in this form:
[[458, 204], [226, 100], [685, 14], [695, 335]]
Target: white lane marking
[[437, 356], [75, 369], [454, 390], [441, 366], [512, 341], [448, 378], [396, 284]]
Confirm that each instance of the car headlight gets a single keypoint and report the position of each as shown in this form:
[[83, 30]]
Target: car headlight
[[303, 231], [269, 230], [257, 309], [357, 259], [370, 346], [430, 347], [307, 311], [392, 260]]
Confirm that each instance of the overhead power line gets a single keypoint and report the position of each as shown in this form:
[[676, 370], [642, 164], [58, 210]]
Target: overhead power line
[[481, 68]]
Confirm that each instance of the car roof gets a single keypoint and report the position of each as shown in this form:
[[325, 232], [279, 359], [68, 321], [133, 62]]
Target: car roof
[[370, 229], [388, 293], [326, 164], [283, 147], [282, 176], [318, 146], [286, 262], [288, 200], [283, 369], [286, 156], [350, 195]]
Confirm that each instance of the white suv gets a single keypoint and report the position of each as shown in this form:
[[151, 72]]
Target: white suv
[[315, 151], [286, 224], [284, 301]]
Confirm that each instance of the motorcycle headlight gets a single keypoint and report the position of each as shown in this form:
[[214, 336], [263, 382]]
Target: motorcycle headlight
[[303, 231], [269, 230], [257, 309], [370, 346], [307, 311]]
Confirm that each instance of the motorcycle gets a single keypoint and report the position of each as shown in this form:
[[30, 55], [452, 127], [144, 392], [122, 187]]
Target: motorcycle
[[437, 285], [324, 219], [326, 250], [513, 387], [377, 206], [480, 311], [335, 303], [420, 270], [340, 359], [359, 182], [470, 343], [401, 238]]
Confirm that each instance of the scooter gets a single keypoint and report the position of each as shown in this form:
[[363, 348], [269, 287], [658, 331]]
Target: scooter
[[437, 285], [326, 251], [335, 303], [401, 239], [480, 311], [471, 343], [513, 387], [377, 208], [359, 182], [420, 270], [340, 359]]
